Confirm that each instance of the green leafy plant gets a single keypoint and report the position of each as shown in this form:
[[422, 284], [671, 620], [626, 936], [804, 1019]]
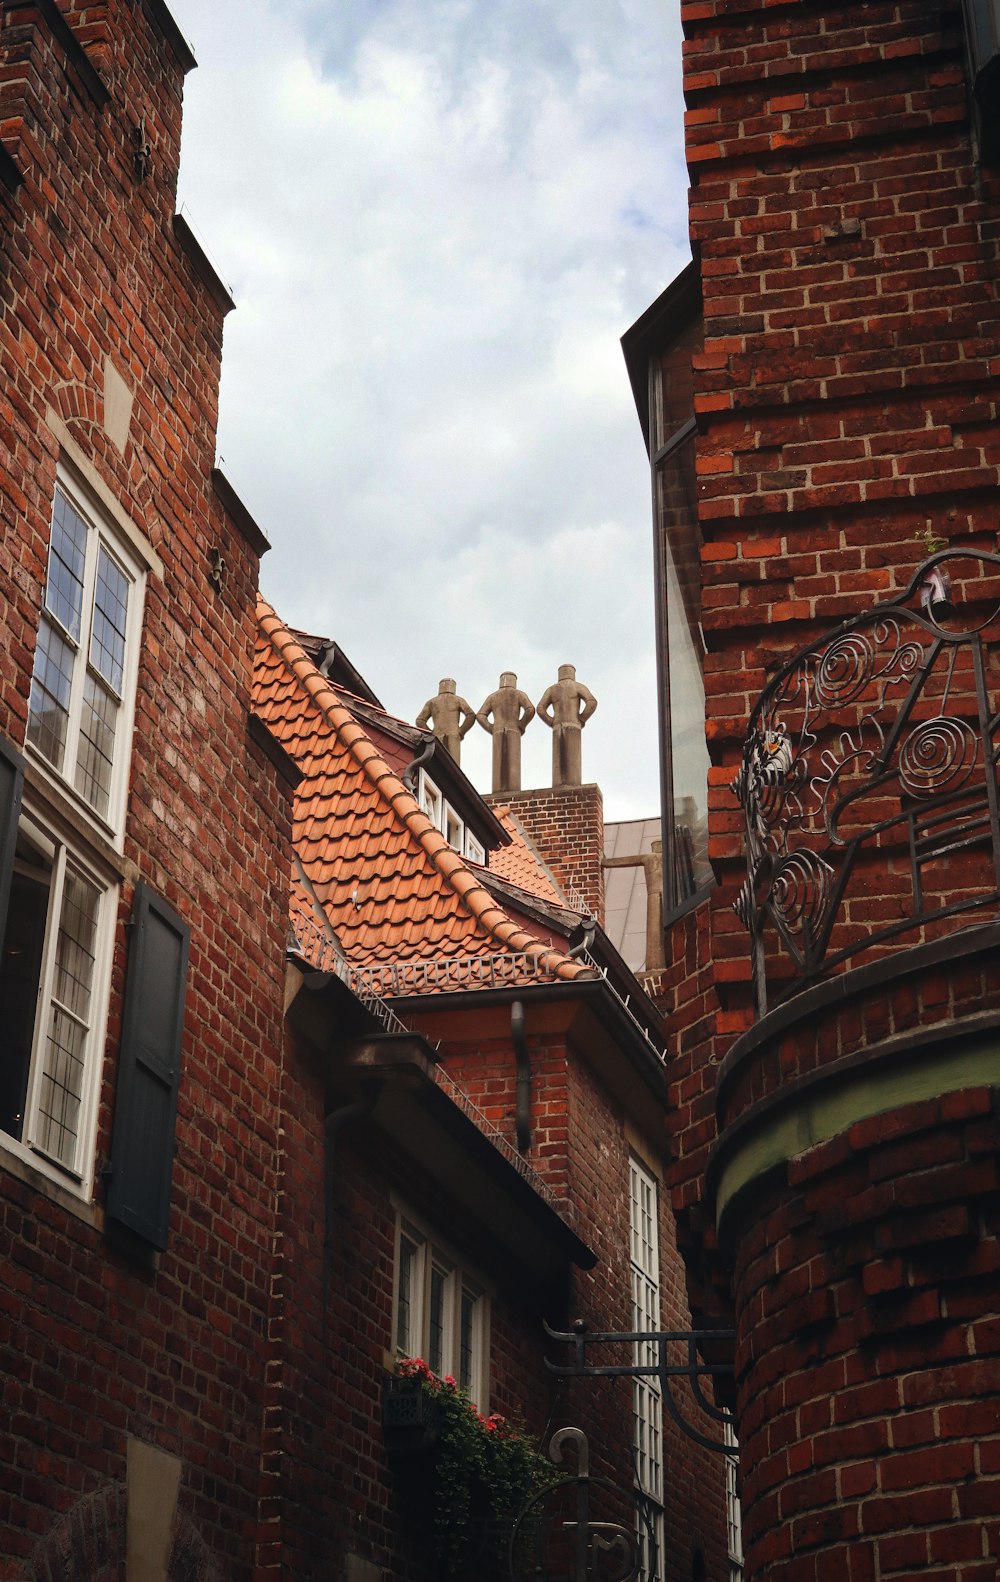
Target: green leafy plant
[[484, 1471]]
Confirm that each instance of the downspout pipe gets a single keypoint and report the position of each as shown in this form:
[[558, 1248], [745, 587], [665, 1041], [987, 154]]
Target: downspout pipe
[[358, 1110], [413, 768], [585, 943], [522, 1110]]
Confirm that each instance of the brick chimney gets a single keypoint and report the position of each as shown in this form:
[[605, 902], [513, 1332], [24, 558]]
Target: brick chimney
[[566, 824]]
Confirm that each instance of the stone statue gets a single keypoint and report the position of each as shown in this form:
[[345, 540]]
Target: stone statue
[[651, 863], [566, 707], [449, 715], [511, 711]]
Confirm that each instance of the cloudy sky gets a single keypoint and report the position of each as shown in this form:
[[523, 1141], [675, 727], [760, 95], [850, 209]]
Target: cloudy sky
[[437, 218]]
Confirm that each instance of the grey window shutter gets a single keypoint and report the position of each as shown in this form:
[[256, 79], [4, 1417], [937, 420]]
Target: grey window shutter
[[142, 1148], [11, 786]]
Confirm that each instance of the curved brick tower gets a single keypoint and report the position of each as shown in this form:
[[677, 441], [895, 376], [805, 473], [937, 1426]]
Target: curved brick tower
[[819, 394]]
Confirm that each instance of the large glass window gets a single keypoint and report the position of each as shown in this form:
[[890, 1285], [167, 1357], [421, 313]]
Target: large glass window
[[79, 710], [681, 645]]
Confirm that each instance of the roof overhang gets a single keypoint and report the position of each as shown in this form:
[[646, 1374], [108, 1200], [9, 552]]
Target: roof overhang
[[523, 1230], [671, 313], [425, 1123], [587, 1011]]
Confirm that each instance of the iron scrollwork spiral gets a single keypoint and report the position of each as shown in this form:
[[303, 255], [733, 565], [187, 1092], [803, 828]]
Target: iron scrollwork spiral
[[800, 892], [844, 670], [938, 755]]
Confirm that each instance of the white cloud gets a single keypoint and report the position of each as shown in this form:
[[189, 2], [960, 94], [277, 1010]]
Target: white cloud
[[438, 217]]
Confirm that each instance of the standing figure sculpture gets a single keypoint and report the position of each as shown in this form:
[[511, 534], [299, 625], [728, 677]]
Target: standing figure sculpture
[[506, 714], [566, 707], [449, 716]]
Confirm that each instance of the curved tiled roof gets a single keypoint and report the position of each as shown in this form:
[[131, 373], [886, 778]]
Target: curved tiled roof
[[392, 888]]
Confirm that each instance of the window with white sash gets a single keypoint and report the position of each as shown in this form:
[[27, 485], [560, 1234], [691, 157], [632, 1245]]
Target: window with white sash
[[734, 1522], [58, 894], [647, 1406], [441, 1311], [54, 974], [83, 682]]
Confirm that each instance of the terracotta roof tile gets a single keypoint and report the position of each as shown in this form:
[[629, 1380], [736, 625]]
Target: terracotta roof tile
[[391, 887], [520, 862]]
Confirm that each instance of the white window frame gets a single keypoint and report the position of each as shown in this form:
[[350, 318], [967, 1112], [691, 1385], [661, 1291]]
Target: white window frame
[[62, 854], [444, 818], [431, 800], [647, 1404], [101, 533], [432, 1254], [454, 828], [734, 1516]]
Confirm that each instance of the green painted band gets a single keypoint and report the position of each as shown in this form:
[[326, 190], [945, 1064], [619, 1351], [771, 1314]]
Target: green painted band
[[815, 1115]]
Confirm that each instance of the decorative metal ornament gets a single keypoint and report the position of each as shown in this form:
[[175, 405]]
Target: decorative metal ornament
[[871, 761], [142, 151], [217, 569], [567, 1533]]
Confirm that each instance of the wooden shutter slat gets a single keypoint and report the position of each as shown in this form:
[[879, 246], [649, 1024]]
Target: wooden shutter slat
[[142, 1150], [11, 787]]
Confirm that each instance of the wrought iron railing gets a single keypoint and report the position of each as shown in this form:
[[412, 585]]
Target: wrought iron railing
[[308, 939], [869, 780]]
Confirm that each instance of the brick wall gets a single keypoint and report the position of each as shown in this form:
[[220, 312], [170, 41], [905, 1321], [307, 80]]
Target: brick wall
[[566, 825], [331, 1490], [861, 1289], [97, 1347]]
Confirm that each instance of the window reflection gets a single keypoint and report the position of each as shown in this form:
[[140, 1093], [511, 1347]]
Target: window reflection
[[681, 642]]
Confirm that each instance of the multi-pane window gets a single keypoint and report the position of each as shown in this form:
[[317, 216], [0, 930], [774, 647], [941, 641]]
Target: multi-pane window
[[53, 979], [734, 1523], [443, 816], [441, 1312], [647, 1406], [79, 711], [55, 961]]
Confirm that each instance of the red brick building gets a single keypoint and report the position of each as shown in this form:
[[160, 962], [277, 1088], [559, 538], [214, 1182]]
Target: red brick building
[[819, 396], [144, 838], [474, 1083]]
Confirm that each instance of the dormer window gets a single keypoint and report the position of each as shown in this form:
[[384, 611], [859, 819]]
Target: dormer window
[[443, 816]]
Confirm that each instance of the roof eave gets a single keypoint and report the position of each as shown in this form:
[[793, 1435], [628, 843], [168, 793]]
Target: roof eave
[[672, 312]]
